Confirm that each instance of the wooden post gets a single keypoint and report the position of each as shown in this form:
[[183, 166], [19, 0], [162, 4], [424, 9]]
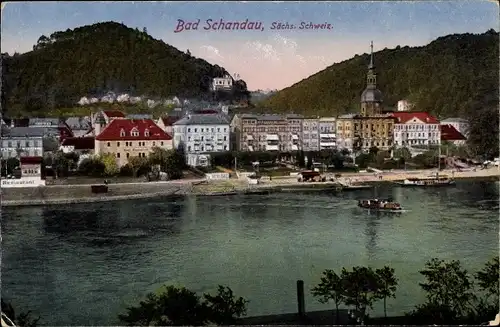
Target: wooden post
[[300, 298]]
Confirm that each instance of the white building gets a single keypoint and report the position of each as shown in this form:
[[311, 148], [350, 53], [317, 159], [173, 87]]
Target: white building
[[416, 129], [404, 105], [222, 83], [460, 124], [327, 133], [202, 133], [310, 134]]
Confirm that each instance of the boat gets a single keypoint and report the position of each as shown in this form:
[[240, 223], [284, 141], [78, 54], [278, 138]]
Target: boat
[[380, 205], [428, 181]]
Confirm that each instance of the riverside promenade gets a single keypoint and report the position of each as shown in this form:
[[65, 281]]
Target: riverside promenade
[[81, 193]]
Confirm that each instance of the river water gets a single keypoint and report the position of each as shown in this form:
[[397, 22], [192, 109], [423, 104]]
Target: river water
[[83, 264]]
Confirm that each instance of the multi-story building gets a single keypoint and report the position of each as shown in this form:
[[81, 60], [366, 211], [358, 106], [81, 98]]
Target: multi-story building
[[202, 133], [22, 142], [416, 128], [266, 132], [310, 134], [404, 105], [166, 124], [461, 125], [373, 128], [80, 126], [125, 138], [327, 133], [222, 83], [345, 131], [106, 116]]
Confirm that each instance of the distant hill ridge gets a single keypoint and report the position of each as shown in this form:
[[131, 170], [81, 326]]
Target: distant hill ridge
[[450, 76], [98, 58]]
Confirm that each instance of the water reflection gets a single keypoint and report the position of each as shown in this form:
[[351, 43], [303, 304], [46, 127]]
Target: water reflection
[[113, 224]]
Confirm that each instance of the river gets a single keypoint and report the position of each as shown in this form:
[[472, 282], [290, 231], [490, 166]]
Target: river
[[83, 264]]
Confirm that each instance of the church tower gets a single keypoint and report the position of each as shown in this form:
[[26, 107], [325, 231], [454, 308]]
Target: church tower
[[371, 98]]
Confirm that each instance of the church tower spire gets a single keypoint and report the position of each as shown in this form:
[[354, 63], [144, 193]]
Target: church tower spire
[[371, 77]]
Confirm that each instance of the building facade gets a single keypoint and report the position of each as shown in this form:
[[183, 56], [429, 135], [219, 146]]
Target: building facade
[[266, 132], [416, 128], [202, 133], [404, 105], [373, 128], [166, 124], [20, 142], [222, 83], [345, 131], [327, 133], [125, 138], [310, 134]]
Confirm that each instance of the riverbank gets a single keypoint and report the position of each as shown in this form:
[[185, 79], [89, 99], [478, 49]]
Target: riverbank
[[81, 193], [71, 194]]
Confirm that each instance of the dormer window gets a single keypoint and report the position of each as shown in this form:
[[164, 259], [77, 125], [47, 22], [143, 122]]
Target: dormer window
[[134, 132], [122, 133], [146, 133]]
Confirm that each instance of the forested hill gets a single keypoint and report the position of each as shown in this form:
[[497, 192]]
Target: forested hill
[[102, 57], [448, 77]]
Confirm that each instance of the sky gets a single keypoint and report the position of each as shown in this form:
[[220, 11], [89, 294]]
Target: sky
[[266, 58]]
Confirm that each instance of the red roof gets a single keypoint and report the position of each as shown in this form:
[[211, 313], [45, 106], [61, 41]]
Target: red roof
[[405, 116], [114, 114], [80, 143], [450, 133], [169, 120], [131, 130], [31, 160]]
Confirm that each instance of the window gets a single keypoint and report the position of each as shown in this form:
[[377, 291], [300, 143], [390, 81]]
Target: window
[[118, 154], [161, 143], [218, 129], [154, 143], [189, 148], [127, 155], [202, 130], [117, 143], [146, 132], [109, 143], [225, 147], [225, 137], [134, 132], [189, 130], [202, 138], [195, 130], [122, 132]]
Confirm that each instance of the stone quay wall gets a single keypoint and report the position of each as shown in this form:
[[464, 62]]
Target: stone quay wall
[[58, 194]]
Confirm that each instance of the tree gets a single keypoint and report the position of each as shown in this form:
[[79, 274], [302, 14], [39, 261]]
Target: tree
[[92, 167], [361, 287], [448, 288], [402, 153], [23, 319], [158, 156], [331, 287], [488, 279], [60, 164], [483, 132], [175, 163], [175, 306], [300, 158], [309, 163], [224, 308], [387, 285], [138, 164], [109, 161]]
